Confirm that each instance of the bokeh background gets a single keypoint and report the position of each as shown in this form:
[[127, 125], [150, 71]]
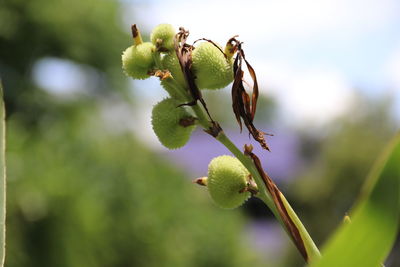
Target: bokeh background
[[88, 182]]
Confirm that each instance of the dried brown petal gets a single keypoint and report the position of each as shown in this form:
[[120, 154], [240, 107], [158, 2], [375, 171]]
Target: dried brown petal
[[231, 47], [244, 108], [254, 96], [184, 53]]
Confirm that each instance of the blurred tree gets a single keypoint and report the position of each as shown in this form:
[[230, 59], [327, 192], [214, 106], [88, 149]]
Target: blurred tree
[[80, 194], [87, 32], [337, 166]]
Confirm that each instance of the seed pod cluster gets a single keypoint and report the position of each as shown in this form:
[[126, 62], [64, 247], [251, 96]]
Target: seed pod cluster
[[211, 67], [206, 67], [227, 179]]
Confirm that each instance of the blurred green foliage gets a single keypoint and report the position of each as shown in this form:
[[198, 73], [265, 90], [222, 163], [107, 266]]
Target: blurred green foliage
[[2, 179], [87, 32], [367, 238], [341, 163], [337, 165], [81, 195]]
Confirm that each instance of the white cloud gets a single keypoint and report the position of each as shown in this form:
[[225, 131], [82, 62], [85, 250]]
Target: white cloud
[[317, 96], [269, 20], [393, 68], [311, 96], [393, 76]]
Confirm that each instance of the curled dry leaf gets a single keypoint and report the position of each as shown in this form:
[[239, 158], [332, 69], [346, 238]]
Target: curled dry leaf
[[278, 199], [243, 107], [184, 53]]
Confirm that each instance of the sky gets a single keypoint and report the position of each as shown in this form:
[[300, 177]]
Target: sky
[[310, 55], [313, 57]]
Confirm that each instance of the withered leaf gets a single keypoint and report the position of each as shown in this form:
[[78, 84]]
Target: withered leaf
[[254, 96], [277, 198], [184, 53], [244, 108]]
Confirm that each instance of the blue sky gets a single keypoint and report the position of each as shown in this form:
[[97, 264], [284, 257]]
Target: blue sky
[[310, 55]]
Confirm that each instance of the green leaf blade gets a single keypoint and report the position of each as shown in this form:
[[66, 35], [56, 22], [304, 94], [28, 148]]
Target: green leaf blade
[[2, 180], [368, 239]]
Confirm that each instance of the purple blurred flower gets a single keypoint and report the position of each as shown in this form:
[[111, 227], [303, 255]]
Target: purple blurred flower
[[281, 163]]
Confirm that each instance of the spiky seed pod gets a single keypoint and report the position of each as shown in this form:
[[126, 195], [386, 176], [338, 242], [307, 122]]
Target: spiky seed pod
[[173, 125], [211, 68], [137, 60], [162, 37], [227, 178]]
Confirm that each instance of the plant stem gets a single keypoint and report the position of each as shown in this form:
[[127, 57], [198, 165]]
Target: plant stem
[[311, 248], [263, 194]]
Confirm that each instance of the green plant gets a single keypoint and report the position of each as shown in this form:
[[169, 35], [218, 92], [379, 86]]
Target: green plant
[[244, 109], [191, 68], [367, 238], [2, 179]]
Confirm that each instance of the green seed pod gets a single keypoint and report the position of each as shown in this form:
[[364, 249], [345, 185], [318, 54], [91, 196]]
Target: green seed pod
[[173, 125], [137, 60], [211, 68], [170, 62], [162, 37], [227, 178]]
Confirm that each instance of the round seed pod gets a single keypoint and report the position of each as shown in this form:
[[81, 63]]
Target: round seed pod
[[173, 125], [227, 177], [170, 62], [137, 60], [165, 33], [211, 68]]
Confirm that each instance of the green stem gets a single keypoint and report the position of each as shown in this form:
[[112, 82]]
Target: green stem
[[157, 60], [311, 248], [180, 93], [263, 194], [222, 138], [203, 121]]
